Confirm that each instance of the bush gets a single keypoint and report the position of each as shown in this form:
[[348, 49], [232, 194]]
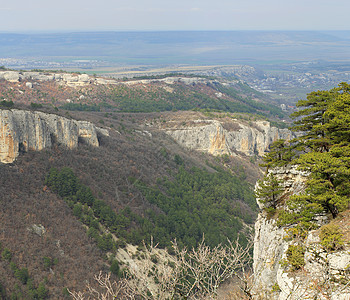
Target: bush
[[295, 257], [22, 275], [331, 237], [115, 269], [42, 291], [35, 105], [49, 262], [8, 104], [6, 254]]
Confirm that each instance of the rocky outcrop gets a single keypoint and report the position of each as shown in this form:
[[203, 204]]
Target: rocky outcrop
[[69, 79], [172, 80], [78, 80], [324, 272], [22, 131], [229, 137]]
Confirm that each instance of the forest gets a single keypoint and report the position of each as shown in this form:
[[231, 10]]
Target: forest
[[194, 204]]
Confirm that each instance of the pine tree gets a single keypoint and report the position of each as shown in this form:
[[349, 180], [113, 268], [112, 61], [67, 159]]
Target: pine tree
[[325, 123], [280, 154], [268, 191]]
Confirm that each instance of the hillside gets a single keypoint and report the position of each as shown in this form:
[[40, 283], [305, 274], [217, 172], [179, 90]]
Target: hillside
[[84, 93], [136, 182], [110, 171]]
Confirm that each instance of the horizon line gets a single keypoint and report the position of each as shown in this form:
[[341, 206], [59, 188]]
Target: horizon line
[[169, 30]]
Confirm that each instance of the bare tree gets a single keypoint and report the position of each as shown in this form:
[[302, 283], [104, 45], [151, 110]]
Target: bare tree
[[107, 289], [190, 274], [206, 268]]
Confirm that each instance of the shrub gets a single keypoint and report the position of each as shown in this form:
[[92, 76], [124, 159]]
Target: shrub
[[331, 237], [115, 269], [42, 291], [35, 105], [22, 275], [295, 257], [6, 254], [49, 262], [276, 288]]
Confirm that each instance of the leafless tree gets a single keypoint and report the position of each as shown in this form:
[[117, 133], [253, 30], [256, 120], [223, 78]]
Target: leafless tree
[[107, 289], [189, 274]]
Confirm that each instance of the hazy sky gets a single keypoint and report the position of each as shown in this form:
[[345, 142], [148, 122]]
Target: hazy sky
[[86, 15]]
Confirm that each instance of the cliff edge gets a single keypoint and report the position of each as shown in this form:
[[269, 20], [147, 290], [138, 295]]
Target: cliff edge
[[22, 131], [231, 137], [323, 273]]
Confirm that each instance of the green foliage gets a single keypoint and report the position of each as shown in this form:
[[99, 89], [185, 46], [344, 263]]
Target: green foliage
[[115, 268], [276, 287], [137, 100], [268, 191], [192, 203], [178, 159], [323, 150], [8, 104], [295, 257], [49, 262], [35, 105], [22, 275], [331, 237], [65, 293], [279, 155], [6, 254], [42, 291], [2, 292], [80, 107], [64, 183]]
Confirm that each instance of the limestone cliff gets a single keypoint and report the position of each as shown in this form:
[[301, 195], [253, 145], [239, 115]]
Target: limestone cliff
[[228, 137], [324, 272], [73, 80], [78, 80], [22, 131]]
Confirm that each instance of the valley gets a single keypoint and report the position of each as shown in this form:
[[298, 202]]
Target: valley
[[92, 167]]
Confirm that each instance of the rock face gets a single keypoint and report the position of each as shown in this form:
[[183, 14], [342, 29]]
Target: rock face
[[73, 80], [22, 131], [323, 271], [78, 80], [231, 137]]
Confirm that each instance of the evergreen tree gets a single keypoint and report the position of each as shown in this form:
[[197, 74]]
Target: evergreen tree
[[268, 191], [325, 124], [280, 154]]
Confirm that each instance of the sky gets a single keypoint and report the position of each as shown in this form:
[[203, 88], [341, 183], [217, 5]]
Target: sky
[[163, 15]]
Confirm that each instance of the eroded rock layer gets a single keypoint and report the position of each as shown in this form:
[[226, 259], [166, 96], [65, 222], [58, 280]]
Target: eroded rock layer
[[22, 131], [219, 138]]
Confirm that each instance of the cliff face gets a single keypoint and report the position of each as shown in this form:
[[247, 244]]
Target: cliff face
[[73, 80], [324, 272], [228, 137], [22, 131], [78, 80]]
